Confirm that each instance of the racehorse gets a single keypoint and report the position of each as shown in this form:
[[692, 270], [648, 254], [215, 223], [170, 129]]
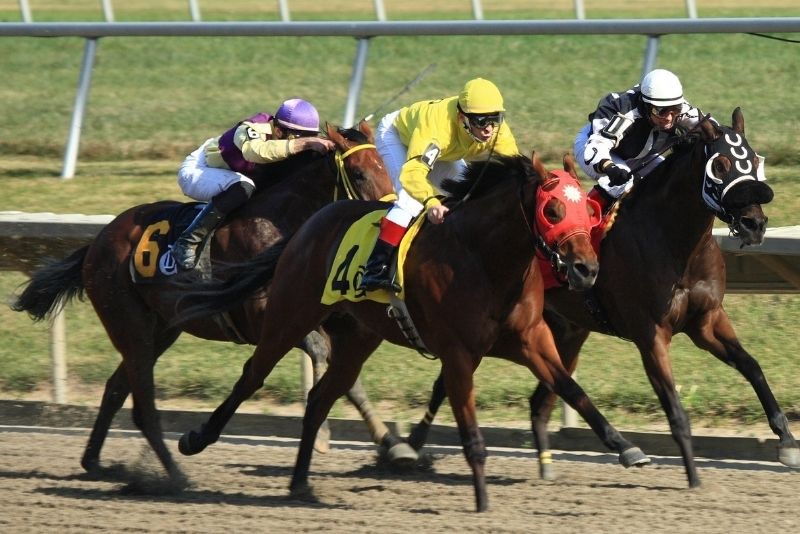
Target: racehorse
[[136, 316], [470, 283], [662, 274]]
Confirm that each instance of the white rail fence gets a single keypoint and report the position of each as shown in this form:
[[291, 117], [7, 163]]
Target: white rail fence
[[363, 32]]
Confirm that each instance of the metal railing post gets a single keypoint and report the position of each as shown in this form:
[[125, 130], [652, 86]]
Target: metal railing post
[[84, 83], [25, 11], [108, 10], [283, 7], [580, 12], [356, 81], [380, 11], [477, 10], [691, 9], [58, 352], [194, 10], [650, 54]]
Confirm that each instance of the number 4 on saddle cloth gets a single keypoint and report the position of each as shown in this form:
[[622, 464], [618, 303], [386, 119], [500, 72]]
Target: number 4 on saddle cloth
[[344, 279], [152, 261]]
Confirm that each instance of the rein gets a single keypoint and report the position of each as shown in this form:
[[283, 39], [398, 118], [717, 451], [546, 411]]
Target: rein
[[341, 173]]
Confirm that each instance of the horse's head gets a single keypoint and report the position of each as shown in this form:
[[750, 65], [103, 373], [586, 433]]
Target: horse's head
[[564, 216], [361, 172], [734, 184]]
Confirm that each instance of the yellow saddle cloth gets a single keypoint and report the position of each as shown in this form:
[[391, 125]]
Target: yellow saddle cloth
[[344, 279]]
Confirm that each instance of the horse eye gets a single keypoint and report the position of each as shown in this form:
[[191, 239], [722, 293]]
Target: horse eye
[[555, 211], [721, 166]]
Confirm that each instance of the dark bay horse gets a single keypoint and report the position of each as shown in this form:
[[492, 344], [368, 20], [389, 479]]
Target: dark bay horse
[[662, 273], [136, 316], [471, 283]]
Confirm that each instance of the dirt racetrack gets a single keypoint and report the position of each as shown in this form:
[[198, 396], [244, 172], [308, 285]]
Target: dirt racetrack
[[241, 484]]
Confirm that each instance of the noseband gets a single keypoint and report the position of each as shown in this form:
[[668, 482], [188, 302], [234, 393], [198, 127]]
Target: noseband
[[341, 173]]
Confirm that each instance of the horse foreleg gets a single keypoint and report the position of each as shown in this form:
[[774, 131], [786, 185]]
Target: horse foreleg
[[542, 358], [569, 339], [717, 336], [114, 396], [352, 349], [659, 372], [419, 435], [460, 390], [390, 446]]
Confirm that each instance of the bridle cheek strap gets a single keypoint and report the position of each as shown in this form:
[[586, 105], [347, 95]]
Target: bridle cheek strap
[[342, 176]]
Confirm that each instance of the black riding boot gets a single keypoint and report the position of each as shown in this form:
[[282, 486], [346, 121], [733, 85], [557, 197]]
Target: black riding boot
[[188, 246], [378, 274], [602, 197]]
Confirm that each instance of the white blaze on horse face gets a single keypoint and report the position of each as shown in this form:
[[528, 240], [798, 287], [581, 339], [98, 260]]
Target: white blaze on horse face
[[572, 193]]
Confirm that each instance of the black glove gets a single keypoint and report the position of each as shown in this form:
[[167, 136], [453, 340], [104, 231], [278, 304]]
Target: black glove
[[617, 175]]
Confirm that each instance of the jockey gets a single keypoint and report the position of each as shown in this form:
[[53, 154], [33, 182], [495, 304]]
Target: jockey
[[424, 144], [221, 170], [628, 130]]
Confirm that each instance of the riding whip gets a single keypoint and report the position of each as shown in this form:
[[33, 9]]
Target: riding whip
[[402, 91]]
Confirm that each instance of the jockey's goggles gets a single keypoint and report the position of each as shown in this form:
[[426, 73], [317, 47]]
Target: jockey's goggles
[[294, 134], [663, 112], [482, 120]]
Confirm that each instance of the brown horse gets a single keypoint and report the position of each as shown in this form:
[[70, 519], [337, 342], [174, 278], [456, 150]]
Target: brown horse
[[662, 274], [136, 316], [471, 283]]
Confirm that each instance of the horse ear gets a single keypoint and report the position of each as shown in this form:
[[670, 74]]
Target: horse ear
[[364, 128], [538, 166], [333, 133], [737, 121], [569, 165], [708, 130]]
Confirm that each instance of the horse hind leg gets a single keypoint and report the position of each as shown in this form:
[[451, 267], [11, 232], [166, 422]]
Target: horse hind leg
[[116, 391], [419, 434], [391, 447]]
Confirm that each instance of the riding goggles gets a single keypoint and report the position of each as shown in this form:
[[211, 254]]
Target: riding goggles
[[663, 112], [294, 134], [482, 121]]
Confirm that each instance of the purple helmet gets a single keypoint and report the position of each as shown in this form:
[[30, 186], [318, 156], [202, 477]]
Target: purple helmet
[[297, 114]]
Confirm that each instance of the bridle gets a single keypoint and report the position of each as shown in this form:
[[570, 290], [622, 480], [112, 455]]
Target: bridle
[[342, 178]]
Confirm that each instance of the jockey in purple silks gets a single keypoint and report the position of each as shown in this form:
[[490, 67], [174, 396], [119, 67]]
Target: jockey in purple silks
[[220, 172]]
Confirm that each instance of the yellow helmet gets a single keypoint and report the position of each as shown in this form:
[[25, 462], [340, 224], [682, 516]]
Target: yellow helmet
[[480, 96]]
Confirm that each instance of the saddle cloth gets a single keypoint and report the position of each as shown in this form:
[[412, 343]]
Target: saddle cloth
[[152, 260], [344, 278]]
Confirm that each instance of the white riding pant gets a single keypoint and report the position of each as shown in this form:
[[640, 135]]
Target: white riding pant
[[395, 153], [201, 182], [615, 191]]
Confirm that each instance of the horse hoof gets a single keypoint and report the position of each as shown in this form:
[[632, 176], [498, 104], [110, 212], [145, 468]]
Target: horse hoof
[[401, 454], [546, 472], [302, 492], [633, 457], [189, 444], [322, 443], [90, 465], [790, 457]]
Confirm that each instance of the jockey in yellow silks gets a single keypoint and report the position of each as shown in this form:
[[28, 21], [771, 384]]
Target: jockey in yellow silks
[[424, 144]]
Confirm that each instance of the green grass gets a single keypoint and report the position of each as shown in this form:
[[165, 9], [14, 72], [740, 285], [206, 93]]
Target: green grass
[[154, 99]]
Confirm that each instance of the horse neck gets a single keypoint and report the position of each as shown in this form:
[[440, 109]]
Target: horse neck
[[673, 210], [500, 233]]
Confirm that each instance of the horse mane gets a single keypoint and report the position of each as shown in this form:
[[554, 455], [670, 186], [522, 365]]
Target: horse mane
[[353, 134], [486, 175]]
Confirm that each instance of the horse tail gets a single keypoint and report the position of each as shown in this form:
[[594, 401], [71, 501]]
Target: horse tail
[[52, 287], [235, 283]]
